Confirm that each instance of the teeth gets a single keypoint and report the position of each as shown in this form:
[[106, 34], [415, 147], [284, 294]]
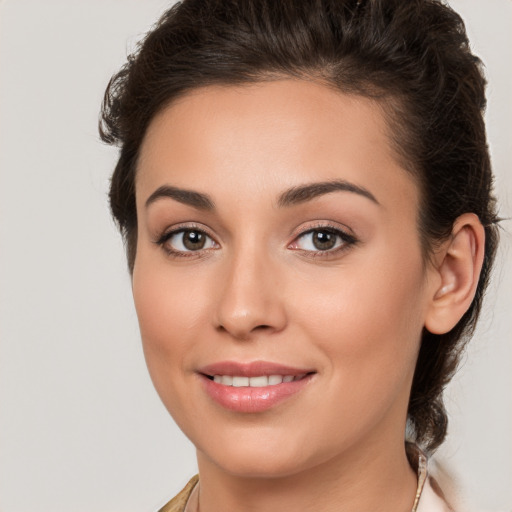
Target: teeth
[[260, 381], [239, 382], [227, 380]]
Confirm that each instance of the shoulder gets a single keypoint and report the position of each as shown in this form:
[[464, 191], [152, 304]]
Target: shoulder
[[430, 497], [178, 503], [445, 484]]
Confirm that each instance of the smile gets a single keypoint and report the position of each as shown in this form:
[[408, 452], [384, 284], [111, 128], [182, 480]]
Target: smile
[[253, 387], [261, 381]]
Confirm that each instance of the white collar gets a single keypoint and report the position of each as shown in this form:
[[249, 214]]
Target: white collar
[[430, 500]]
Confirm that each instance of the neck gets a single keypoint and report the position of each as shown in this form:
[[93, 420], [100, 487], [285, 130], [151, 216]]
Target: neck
[[372, 478]]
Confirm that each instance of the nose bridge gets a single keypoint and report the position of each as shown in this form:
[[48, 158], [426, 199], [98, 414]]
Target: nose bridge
[[249, 300]]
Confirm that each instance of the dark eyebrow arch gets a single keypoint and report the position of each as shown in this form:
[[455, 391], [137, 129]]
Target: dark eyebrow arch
[[188, 197], [303, 193]]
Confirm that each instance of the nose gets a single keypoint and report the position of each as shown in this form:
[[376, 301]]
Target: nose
[[250, 300]]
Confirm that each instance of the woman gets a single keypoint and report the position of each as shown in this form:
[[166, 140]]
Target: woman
[[306, 197]]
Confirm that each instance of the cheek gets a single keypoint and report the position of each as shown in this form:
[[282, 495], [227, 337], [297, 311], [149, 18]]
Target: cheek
[[170, 302], [170, 309], [368, 320]]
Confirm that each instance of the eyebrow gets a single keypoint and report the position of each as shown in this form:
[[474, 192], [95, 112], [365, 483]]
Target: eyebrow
[[303, 193], [291, 197], [189, 197]]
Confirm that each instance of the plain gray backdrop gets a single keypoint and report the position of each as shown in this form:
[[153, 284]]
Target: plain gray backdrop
[[81, 428]]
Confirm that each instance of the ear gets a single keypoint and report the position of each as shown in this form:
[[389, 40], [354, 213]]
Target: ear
[[457, 270]]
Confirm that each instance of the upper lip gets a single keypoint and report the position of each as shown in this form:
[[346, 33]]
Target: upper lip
[[251, 369]]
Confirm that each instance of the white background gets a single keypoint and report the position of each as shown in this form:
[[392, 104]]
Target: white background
[[81, 428]]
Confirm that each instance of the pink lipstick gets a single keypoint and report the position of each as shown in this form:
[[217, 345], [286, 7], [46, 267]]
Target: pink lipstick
[[252, 387]]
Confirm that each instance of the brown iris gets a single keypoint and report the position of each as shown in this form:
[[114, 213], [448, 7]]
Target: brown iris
[[194, 240], [324, 240]]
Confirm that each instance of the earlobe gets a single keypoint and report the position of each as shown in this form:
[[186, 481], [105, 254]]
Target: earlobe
[[458, 269]]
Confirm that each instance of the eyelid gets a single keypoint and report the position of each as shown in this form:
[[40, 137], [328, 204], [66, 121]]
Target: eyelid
[[345, 233], [182, 226], [169, 232], [319, 225]]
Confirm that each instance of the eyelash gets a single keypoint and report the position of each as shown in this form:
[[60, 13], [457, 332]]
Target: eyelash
[[166, 236], [347, 240]]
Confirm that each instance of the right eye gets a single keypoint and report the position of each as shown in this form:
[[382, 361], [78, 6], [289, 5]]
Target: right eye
[[186, 241]]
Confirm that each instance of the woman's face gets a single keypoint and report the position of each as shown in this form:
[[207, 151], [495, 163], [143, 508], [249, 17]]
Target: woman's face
[[278, 250]]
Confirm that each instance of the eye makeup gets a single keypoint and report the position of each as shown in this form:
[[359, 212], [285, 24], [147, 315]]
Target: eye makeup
[[322, 240]]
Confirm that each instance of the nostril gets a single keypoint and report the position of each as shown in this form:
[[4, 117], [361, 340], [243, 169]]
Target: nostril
[[244, 332], [261, 327], [242, 316]]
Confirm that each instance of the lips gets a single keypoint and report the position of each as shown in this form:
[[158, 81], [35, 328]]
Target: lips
[[252, 387]]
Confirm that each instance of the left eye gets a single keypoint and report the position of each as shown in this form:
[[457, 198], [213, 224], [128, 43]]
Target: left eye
[[321, 240], [187, 240]]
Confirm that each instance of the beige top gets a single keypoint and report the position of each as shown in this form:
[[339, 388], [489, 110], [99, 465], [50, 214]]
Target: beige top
[[179, 502]]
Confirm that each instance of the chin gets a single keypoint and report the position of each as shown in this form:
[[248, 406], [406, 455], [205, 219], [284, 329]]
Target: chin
[[260, 465], [253, 456]]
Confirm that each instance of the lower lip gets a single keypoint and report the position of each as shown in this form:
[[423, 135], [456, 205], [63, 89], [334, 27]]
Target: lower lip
[[251, 400]]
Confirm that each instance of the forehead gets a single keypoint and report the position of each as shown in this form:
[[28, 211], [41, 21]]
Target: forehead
[[270, 135]]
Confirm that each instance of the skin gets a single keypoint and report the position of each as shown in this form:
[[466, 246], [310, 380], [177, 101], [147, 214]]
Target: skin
[[257, 291]]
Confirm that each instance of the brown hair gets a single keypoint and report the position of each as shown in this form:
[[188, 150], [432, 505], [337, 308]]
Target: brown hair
[[413, 56]]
